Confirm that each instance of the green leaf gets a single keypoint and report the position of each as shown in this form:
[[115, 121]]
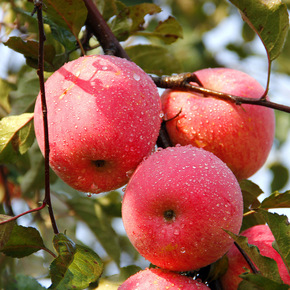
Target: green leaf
[[269, 19], [34, 177], [108, 8], [23, 98], [22, 282], [69, 14], [131, 19], [92, 213], [29, 48], [218, 268], [5, 89], [255, 281], [23, 242], [251, 192], [5, 230], [280, 176], [62, 35], [168, 30], [75, 267], [267, 266], [280, 229], [154, 59], [282, 119], [18, 132], [277, 200]]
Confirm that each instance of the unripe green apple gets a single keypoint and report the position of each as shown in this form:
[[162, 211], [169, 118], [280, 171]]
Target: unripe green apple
[[262, 237], [103, 119], [160, 279], [176, 205], [240, 135]]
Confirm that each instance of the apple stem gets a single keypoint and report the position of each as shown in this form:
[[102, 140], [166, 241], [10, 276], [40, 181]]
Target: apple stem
[[47, 200]]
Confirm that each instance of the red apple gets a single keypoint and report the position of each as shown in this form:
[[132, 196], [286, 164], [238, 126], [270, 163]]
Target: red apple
[[157, 279], [176, 205], [262, 237], [240, 135], [103, 118]]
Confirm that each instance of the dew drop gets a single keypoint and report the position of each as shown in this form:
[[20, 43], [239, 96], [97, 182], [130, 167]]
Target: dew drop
[[129, 173], [182, 250], [136, 77], [176, 232]]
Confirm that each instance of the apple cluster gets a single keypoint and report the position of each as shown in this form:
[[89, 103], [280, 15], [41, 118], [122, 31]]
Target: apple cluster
[[104, 116]]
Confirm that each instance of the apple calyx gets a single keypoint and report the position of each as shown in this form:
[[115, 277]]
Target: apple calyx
[[169, 215]]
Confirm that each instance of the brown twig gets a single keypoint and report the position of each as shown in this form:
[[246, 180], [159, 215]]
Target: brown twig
[[184, 81], [47, 200]]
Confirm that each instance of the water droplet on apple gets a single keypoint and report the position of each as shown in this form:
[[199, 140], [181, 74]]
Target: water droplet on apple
[[176, 232], [136, 77], [94, 188], [129, 173], [182, 250]]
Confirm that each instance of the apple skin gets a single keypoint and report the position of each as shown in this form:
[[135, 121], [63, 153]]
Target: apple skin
[[155, 279], [104, 116], [176, 205], [262, 237], [241, 136]]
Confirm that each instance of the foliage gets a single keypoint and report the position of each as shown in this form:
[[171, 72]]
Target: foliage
[[162, 45]]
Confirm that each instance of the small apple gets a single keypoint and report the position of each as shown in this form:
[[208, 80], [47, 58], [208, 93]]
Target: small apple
[[157, 279], [176, 205], [240, 135], [103, 119], [262, 237]]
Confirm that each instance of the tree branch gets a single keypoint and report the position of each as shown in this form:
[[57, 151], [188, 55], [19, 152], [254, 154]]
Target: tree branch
[[47, 200], [102, 31], [184, 81]]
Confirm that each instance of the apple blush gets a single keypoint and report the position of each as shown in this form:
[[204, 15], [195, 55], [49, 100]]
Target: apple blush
[[240, 135], [104, 116], [157, 279], [176, 206]]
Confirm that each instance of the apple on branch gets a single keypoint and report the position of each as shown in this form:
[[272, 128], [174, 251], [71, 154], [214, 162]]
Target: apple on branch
[[240, 135], [104, 116], [176, 205]]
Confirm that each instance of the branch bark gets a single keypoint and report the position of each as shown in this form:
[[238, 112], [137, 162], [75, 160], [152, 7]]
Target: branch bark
[[47, 200], [184, 81], [102, 31]]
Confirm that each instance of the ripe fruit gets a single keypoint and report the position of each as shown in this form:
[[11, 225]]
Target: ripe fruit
[[262, 237], [103, 117], [176, 205], [241, 136], [155, 279]]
